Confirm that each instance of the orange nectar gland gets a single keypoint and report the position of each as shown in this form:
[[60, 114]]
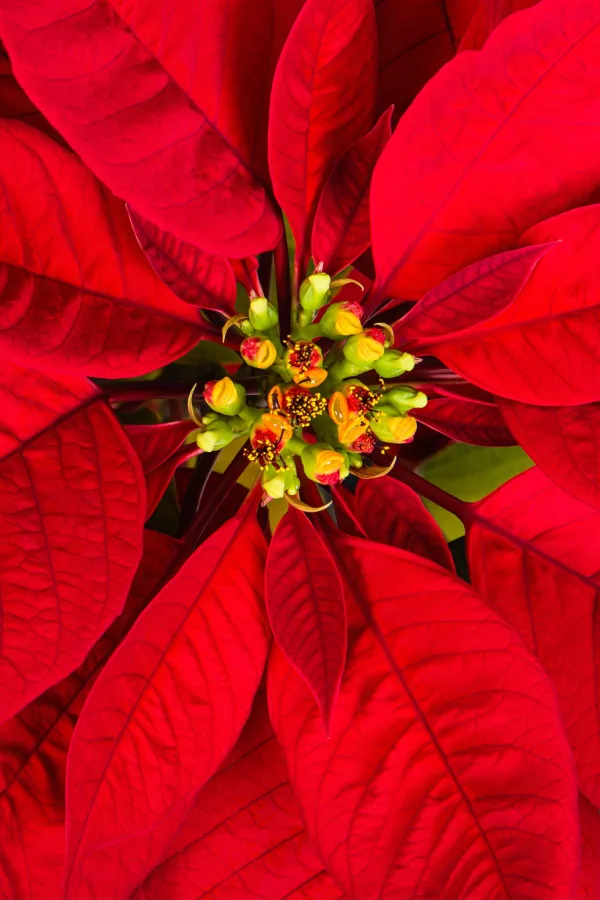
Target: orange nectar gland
[[353, 429], [323, 464], [258, 352]]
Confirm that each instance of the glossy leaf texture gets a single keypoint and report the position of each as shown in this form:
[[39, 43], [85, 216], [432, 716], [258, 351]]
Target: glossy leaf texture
[[415, 41], [322, 102], [533, 554], [447, 773], [563, 441], [589, 878], [342, 228], [14, 102], [543, 349], [78, 294], [197, 277], [163, 715], [71, 517], [472, 423], [305, 604], [154, 444], [158, 480], [133, 89], [392, 513], [34, 745], [488, 15], [243, 839], [468, 297], [495, 142]]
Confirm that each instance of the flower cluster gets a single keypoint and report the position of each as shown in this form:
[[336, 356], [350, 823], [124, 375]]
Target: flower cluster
[[313, 409]]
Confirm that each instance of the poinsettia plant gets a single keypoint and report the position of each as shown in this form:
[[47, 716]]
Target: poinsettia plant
[[258, 259]]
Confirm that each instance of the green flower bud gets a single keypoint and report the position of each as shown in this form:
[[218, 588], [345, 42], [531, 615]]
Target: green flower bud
[[225, 396], [404, 398], [366, 348], [246, 327], [323, 464], [277, 482], [262, 314], [258, 352], [216, 436], [393, 363], [341, 320], [314, 291], [393, 429]]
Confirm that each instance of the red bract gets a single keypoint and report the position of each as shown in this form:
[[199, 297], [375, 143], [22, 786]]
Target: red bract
[[424, 738], [405, 728], [34, 745], [71, 519], [163, 715], [490, 147]]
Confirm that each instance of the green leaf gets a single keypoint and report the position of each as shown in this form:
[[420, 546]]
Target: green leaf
[[470, 473]]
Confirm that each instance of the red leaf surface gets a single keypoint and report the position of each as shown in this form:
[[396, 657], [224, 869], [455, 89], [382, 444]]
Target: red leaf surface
[[589, 878], [533, 554], [154, 444], [563, 441], [471, 423], [14, 102], [163, 715], [141, 93], [33, 752], [415, 40], [77, 292], [544, 348], [342, 228], [496, 141], [305, 603], [159, 479], [71, 516], [322, 102], [391, 513], [197, 277], [488, 16], [467, 298], [244, 839], [447, 773]]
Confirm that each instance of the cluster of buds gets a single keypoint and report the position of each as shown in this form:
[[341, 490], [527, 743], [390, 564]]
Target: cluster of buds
[[315, 416]]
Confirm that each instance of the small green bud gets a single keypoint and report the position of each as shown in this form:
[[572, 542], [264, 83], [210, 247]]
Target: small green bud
[[393, 363], [225, 396], [404, 398], [216, 436], [277, 482], [363, 349], [341, 320], [246, 327], [323, 464], [393, 429], [314, 291], [262, 314]]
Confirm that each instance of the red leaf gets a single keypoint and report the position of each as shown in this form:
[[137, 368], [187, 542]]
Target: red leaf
[[154, 444], [487, 17], [496, 141], [195, 276], [14, 102], [245, 271], [391, 513], [533, 554], [322, 102], [342, 228], [563, 441], [415, 40], [244, 838], [71, 516], [158, 480], [77, 292], [447, 773], [469, 297], [33, 752], [589, 879], [463, 420], [141, 92], [163, 715], [32, 808], [305, 603], [544, 348]]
